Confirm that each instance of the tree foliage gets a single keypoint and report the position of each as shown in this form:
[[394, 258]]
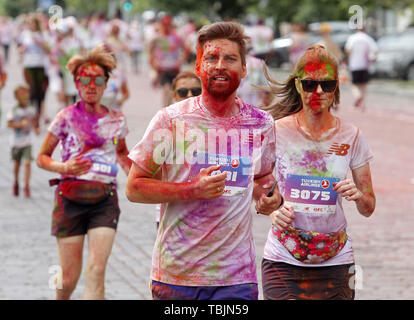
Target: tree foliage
[[16, 7], [280, 10], [319, 10], [224, 8]]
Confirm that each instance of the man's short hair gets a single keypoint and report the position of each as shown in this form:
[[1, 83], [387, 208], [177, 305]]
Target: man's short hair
[[229, 30]]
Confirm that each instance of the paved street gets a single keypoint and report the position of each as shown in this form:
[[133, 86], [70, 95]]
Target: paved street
[[383, 243]]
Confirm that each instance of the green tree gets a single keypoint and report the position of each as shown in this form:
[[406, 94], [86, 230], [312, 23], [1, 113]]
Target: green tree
[[15, 7], [224, 8], [83, 7]]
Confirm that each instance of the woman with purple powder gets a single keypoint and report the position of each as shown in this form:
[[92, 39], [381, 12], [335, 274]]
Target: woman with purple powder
[[308, 253], [92, 140]]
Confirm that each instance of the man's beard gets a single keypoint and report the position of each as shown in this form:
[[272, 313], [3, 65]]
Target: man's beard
[[222, 93]]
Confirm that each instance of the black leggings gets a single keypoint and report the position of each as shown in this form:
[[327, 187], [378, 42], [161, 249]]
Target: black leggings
[[38, 83], [282, 281]]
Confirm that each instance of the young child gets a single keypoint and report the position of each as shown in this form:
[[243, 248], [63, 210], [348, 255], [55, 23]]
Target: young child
[[22, 119]]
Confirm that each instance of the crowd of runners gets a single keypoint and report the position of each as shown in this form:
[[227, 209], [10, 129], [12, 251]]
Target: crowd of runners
[[225, 136]]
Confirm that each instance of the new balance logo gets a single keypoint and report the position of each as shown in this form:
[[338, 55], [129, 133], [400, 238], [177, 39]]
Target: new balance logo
[[339, 149]]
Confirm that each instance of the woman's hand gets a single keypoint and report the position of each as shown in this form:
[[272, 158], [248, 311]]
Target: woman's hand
[[348, 190], [283, 217], [76, 166]]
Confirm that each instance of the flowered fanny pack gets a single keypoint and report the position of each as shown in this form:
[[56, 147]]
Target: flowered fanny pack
[[311, 247]]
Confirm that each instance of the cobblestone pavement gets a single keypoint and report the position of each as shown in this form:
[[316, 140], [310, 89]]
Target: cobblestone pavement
[[383, 243]]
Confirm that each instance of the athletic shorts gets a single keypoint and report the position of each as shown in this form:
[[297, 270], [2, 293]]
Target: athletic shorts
[[282, 281], [72, 219], [167, 76], [360, 76], [163, 291], [24, 153]]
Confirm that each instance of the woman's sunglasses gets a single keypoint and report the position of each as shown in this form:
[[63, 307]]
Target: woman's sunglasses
[[98, 80], [183, 92], [309, 85]]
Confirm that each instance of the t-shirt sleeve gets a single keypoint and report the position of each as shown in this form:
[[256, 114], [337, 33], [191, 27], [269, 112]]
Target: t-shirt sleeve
[[10, 115], [155, 146], [124, 128], [268, 150], [361, 153], [349, 43], [59, 126]]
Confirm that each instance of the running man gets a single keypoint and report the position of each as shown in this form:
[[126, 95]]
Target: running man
[[167, 53], [213, 149], [361, 50]]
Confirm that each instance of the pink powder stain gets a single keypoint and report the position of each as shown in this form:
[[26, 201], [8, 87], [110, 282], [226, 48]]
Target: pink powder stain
[[86, 126]]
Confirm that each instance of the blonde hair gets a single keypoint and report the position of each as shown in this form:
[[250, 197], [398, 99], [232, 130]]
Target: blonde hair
[[34, 18], [98, 55], [291, 101], [184, 75], [20, 87]]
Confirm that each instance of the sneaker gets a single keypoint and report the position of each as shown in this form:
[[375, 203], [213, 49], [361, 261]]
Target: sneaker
[[16, 190], [27, 191], [358, 103]]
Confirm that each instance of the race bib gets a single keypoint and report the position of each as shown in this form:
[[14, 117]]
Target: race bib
[[311, 195], [104, 169], [237, 169]]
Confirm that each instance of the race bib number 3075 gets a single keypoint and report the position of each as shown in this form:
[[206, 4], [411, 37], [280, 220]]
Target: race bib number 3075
[[312, 195]]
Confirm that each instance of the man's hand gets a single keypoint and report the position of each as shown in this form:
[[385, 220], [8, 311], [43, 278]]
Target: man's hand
[[209, 187], [267, 204]]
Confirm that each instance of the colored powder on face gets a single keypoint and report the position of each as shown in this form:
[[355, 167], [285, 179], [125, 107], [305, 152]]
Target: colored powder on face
[[312, 67], [314, 103], [316, 62], [330, 70]]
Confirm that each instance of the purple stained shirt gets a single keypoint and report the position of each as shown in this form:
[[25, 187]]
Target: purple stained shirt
[[93, 138], [207, 242]]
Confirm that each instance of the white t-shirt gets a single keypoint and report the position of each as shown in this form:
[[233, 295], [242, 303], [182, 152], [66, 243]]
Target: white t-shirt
[[94, 139], [113, 89], [136, 39], [306, 170], [22, 137], [261, 37], [255, 76], [207, 242], [362, 50], [6, 33], [69, 46], [34, 56]]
